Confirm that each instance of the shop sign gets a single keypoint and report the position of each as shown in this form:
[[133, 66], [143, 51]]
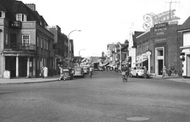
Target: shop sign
[[144, 56], [151, 19], [160, 39]]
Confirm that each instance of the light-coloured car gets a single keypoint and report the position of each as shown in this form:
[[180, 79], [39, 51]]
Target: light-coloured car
[[86, 69], [138, 72], [78, 71]]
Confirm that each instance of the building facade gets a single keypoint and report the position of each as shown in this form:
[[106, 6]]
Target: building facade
[[60, 47], [25, 43], [160, 47], [185, 48]]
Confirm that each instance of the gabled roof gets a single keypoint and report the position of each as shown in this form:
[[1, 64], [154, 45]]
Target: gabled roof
[[185, 25]]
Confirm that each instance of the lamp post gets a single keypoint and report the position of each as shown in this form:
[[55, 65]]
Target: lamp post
[[120, 54], [80, 50], [80, 56], [69, 46]]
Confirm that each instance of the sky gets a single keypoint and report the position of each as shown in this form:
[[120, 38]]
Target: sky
[[103, 22]]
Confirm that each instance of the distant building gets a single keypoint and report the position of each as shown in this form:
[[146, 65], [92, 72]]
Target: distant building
[[132, 47], [25, 43], [60, 47]]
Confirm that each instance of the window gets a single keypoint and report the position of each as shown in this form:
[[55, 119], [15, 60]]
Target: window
[[25, 40], [160, 52], [41, 42], [38, 41], [6, 40], [47, 45], [21, 17], [2, 14], [44, 44]]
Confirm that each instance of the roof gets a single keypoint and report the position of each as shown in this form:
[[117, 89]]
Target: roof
[[12, 7], [185, 25], [2, 8]]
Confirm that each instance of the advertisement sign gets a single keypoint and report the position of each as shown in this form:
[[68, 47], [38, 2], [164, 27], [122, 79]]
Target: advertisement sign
[[151, 19]]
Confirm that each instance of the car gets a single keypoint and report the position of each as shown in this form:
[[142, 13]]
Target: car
[[138, 72], [78, 71], [68, 73], [86, 69]]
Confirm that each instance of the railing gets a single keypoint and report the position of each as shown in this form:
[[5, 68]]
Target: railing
[[26, 46], [15, 24], [21, 47]]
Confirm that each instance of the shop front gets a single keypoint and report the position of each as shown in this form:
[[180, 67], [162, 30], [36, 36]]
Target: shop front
[[144, 60], [19, 65]]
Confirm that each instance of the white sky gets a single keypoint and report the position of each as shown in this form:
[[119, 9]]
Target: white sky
[[102, 22]]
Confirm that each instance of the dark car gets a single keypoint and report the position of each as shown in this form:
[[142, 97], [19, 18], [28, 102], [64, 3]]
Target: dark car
[[68, 73]]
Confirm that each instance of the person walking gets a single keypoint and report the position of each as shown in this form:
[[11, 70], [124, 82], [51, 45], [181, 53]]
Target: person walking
[[45, 72], [90, 71], [60, 73], [145, 72], [164, 72], [42, 71]]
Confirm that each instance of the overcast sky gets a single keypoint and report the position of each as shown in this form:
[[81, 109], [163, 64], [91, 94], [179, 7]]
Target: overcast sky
[[102, 22]]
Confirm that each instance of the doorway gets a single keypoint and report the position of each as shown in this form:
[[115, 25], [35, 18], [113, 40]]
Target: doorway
[[22, 66], [159, 60], [160, 66], [10, 65], [188, 65]]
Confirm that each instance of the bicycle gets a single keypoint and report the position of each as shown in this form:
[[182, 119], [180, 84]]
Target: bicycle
[[125, 76]]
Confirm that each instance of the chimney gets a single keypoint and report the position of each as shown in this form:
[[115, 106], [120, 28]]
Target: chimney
[[32, 6]]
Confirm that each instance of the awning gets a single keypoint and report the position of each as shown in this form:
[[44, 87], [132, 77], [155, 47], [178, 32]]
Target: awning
[[141, 61]]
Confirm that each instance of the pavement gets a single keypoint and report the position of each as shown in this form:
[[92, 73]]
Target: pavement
[[55, 78], [173, 78], [28, 80]]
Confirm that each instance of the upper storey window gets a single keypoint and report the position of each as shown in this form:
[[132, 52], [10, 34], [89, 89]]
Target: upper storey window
[[2, 14], [21, 17]]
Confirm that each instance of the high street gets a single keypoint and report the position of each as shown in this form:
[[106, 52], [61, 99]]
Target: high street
[[103, 98]]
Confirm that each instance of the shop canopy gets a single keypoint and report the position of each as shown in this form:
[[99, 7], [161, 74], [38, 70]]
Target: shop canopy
[[140, 61]]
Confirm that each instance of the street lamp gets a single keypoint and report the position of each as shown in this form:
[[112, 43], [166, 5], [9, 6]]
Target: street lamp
[[69, 46], [80, 50], [80, 56], [120, 53]]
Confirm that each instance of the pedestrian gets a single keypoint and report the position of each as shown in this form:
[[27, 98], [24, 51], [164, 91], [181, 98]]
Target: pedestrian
[[45, 72], [164, 72], [90, 71], [42, 71], [60, 73]]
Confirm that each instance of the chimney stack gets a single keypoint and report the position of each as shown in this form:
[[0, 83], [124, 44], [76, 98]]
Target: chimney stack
[[32, 6]]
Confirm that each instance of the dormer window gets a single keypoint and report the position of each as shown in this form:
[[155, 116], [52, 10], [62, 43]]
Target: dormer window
[[21, 17], [2, 14]]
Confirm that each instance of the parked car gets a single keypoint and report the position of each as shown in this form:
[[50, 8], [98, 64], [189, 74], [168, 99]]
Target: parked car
[[78, 71], [68, 73], [86, 69], [139, 72]]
